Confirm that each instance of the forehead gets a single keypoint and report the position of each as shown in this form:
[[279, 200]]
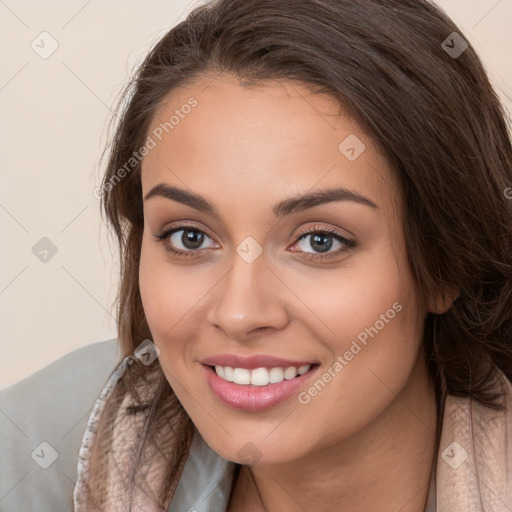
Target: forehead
[[266, 140]]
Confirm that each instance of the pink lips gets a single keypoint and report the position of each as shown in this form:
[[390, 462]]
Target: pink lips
[[255, 398]]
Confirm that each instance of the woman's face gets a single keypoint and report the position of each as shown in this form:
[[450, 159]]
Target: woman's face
[[250, 282]]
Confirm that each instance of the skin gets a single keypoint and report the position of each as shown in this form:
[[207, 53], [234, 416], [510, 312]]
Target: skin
[[369, 436]]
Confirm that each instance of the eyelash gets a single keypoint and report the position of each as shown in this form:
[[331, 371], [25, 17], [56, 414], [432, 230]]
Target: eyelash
[[349, 244]]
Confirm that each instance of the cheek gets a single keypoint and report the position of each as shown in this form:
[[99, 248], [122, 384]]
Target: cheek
[[343, 302], [173, 298], [381, 339], [160, 291], [375, 323], [384, 313]]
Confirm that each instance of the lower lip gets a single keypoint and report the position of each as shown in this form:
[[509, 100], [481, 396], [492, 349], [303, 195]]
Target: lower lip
[[254, 398]]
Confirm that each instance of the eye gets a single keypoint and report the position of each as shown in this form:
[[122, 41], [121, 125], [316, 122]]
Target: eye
[[190, 238], [320, 238]]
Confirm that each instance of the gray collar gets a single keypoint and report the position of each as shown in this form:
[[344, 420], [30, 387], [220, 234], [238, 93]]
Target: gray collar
[[205, 482]]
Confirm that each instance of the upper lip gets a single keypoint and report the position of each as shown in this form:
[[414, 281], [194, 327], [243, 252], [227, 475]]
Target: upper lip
[[251, 362]]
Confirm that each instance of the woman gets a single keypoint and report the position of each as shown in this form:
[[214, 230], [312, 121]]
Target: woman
[[311, 204]]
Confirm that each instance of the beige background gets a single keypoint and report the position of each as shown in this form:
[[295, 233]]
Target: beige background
[[53, 127]]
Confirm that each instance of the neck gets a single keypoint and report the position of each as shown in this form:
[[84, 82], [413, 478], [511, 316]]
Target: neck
[[388, 463]]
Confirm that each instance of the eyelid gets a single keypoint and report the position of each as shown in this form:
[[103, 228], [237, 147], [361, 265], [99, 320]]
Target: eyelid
[[319, 228], [183, 225]]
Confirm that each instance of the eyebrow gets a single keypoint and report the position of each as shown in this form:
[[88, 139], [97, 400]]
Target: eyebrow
[[285, 207]]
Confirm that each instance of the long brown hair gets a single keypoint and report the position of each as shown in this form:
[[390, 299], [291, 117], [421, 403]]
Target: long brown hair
[[433, 114]]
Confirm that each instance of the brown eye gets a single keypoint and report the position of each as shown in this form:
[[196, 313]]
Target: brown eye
[[183, 241], [321, 241]]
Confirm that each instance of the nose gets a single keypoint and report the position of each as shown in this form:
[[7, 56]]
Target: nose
[[249, 299]]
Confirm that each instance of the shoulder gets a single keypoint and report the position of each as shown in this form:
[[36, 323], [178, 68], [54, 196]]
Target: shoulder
[[42, 420]]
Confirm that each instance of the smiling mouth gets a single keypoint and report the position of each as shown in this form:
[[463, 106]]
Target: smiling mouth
[[252, 390], [262, 376]]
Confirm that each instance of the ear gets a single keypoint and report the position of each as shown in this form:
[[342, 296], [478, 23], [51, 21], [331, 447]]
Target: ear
[[442, 301]]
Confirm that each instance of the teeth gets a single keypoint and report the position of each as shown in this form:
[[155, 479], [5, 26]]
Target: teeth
[[259, 376], [228, 373], [241, 376], [303, 369], [276, 375], [290, 372]]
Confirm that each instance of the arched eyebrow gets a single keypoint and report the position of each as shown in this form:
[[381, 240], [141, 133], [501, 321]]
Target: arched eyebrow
[[281, 209]]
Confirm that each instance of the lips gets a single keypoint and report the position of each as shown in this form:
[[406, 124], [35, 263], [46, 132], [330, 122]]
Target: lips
[[255, 361], [255, 398]]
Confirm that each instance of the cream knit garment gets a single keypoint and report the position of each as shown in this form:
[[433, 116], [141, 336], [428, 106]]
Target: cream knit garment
[[473, 474]]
